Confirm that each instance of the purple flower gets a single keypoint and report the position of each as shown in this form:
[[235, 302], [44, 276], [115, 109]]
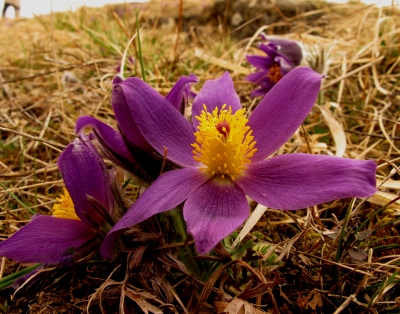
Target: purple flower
[[224, 155], [81, 216], [282, 57], [127, 147]]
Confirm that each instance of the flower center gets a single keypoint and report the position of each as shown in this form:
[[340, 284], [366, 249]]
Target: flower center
[[224, 144], [274, 73], [65, 208]]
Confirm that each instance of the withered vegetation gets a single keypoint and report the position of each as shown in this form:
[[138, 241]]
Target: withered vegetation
[[341, 257]]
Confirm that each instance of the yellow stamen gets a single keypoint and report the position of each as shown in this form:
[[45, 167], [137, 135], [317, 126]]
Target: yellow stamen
[[65, 208], [274, 73], [224, 144]]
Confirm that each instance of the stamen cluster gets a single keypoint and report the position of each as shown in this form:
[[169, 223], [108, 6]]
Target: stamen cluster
[[224, 144], [274, 73], [65, 208]]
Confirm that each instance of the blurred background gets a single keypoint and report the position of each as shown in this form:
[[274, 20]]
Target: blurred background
[[29, 7]]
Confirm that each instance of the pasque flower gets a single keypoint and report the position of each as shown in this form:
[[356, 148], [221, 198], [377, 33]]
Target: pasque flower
[[127, 147], [224, 155], [79, 220], [282, 57]]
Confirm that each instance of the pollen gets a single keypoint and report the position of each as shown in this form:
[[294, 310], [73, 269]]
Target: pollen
[[274, 73], [224, 143], [65, 208]]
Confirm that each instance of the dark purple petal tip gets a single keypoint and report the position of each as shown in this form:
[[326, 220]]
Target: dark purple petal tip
[[180, 92]]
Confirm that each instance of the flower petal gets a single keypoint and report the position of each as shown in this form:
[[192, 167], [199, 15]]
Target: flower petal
[[213, 211], [270, 50], [111, 141], [167, 192], [285, 65], [283, 109], [180, 92], [85, 174], [260, 62], [216, 93], [123, 115], [112, 144], [260, 91], [296, 181], [261, 78], [288, 48], [47, 240], [160, 123]]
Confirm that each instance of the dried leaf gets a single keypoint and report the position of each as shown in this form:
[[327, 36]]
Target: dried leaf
[[336, 129], [305, 260], [363, 235], [383, 198], [259, 290], [358, 255], [250, 223], [316, 300], [331, 234], [221, 63], [283, 295], [389, 184], [234, 307], [249, 308], [139, 299]]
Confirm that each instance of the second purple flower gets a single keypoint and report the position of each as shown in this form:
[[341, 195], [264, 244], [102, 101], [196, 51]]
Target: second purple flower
[[282, 56]]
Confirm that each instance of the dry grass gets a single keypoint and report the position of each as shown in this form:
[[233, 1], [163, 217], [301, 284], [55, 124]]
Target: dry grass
[[332, 258]]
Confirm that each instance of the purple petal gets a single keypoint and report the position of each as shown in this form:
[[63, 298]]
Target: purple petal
[[124, 117], [288, 48], [160, 123], [216, 93], [296, 181], [261, 92], [261, 78], [47, 240], [111, 141], [132, 158], [285, 65], [167, 192], [260, 62], [180, 93], [257, 77], [213, 211], [283, 109], [270, 50], [85, 174]]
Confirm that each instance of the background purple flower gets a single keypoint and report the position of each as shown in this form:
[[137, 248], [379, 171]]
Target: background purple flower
[[282, 56], [53, 239]]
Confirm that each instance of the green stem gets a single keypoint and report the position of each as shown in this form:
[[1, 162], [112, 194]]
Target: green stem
[[8, 280], [140, 47], [186, 253]]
